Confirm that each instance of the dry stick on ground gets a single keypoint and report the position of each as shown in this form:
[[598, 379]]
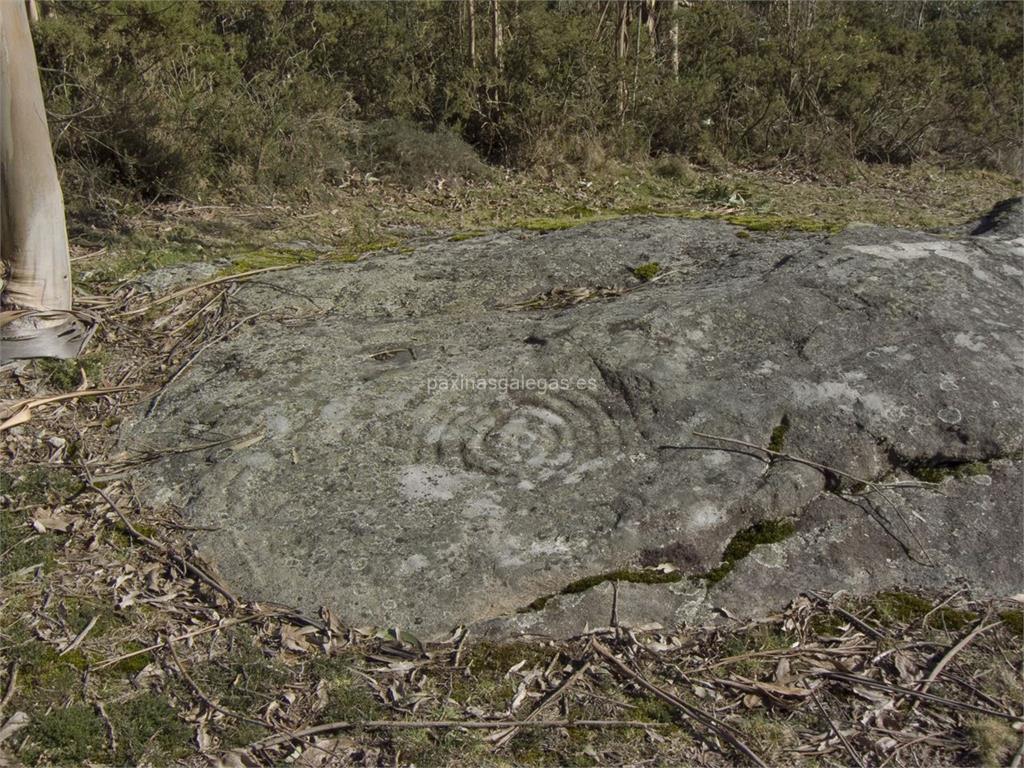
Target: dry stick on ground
[[710, 722], [876, 632], [781, 653], [206, 284], [1018, 759], [195, 570], [177, 638], [77, 641], [947, 657], [870, 485], [12, 681], [111, 733], [502, 739], [206, 699], [345, 725], [835, 729], [192, 358], [896, 689], [21, 411]]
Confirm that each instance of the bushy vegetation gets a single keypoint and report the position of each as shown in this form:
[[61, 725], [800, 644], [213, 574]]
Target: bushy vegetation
[[192, 98]]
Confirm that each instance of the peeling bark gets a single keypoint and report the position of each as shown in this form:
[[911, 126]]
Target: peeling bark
[[36, 290]]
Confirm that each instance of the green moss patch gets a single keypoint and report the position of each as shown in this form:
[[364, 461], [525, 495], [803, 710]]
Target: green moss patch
[[484, 678], [744, 542], [1014, 620], [41, 485], [994, 741], [906, 607], [146, 726], [646, 271], [754, 222], [634, 576], [471, 234], [938, 470], [777, 442], [66, 736], [67, 375]]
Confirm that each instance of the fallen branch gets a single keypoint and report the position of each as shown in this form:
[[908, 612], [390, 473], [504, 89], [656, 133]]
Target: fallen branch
[[344, 725], [21, 411], [839, 734], [206, 284], [12, 681], [195, 570], [869, 485], [951, 703], [192, 358], [710, 722], [177, 638], [948, 656], [206, 699]]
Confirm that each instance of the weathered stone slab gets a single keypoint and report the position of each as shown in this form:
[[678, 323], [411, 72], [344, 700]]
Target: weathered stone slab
[[433, 456]]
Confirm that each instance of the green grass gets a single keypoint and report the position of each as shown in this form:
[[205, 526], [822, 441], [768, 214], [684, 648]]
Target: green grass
[[148, 727], [67, 736]]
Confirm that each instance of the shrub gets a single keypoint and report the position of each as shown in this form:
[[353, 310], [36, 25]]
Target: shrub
[[406, 154], [169, 98]]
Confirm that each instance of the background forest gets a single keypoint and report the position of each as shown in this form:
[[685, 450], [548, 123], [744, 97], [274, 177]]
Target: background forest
[[193, 100]]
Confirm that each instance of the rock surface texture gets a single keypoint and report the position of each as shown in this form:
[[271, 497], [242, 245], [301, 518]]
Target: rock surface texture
[[443, 436]]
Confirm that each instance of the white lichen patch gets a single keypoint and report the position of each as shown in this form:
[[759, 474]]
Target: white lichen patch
[[429, 482]]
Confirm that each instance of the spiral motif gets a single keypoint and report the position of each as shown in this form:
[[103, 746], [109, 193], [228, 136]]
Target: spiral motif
[[526, 436]]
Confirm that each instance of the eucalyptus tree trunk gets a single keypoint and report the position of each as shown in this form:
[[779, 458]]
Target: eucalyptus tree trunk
[[471, 24], [496, 34], [35, 291], [673, 37], [621, 47]]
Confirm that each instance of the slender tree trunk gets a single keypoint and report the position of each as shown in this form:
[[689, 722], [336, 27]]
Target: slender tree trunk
[[471, 31], [496, 33], [673, 38], [621, 47], [36, 295]]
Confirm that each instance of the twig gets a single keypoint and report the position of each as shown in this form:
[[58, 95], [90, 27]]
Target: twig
[[779, 654], [195, 570], [80, 636], [21, 411], [206, 699], [1018, 759], [800, 460], [111, 733], [386, 353], [343, 725], [192, 358], [177, 638], [863, 626], [870, 485], [948, 656], [502, 739], [710, 722], [835, 729], [207, 283], [867, 681], [12, 681]]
